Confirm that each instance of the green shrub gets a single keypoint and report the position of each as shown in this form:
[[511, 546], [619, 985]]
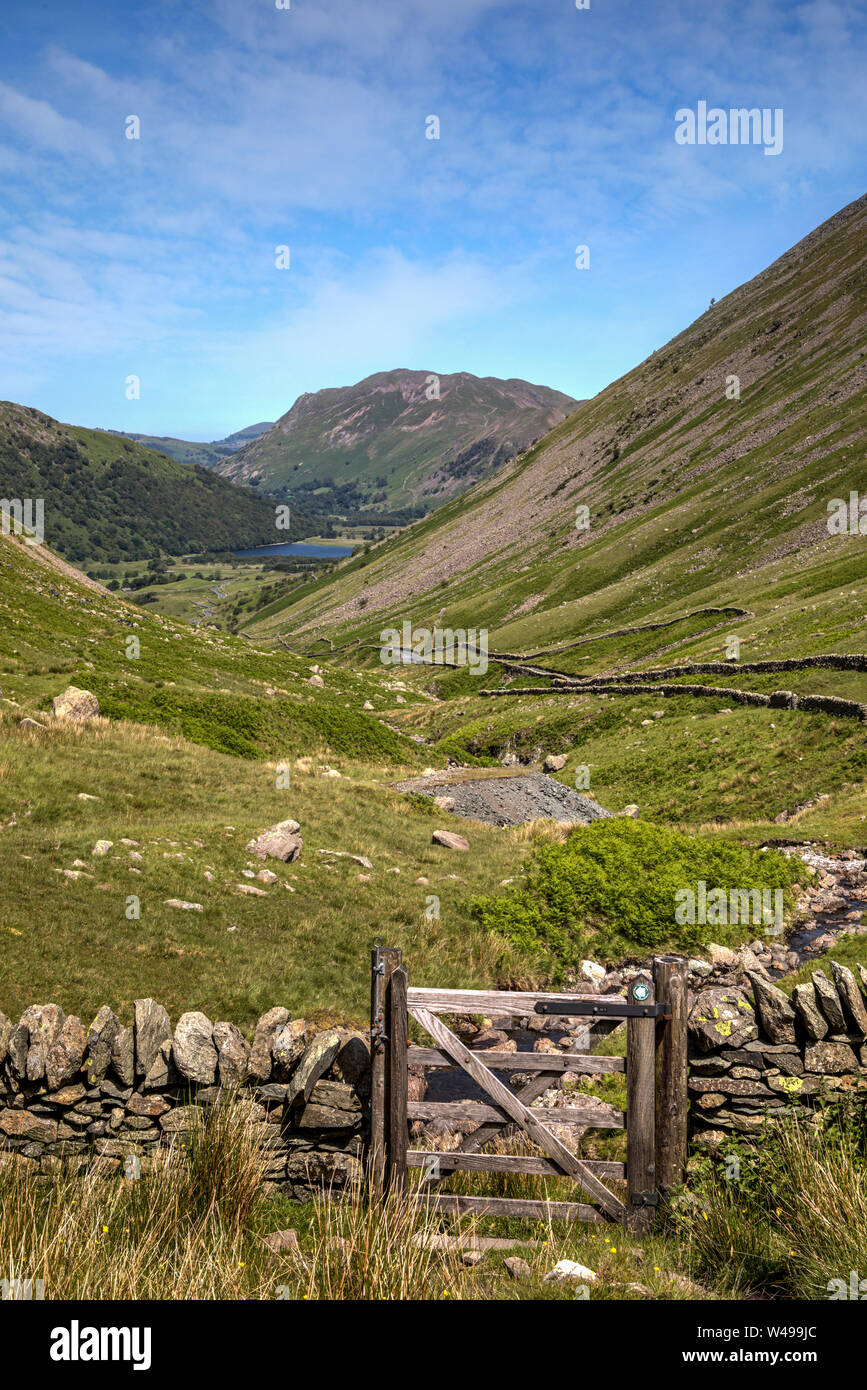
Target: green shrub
[[616, 881]]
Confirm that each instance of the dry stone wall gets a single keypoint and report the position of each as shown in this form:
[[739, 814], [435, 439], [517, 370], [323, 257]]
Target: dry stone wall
[[754, 1053], [112, 1096]]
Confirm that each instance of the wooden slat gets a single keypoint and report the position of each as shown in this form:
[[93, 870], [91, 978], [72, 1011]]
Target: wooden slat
[[519, 1112], [455, 1161], [521, 1061], [474, 1112], [451, 1205], [473, 1143], [486, 1001]]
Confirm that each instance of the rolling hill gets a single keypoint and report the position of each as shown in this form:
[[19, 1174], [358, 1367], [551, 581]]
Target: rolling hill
[[190, 451], [706, 473], [383, 442], [108, 498]]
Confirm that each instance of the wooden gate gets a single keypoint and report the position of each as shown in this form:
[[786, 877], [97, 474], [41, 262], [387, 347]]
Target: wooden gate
[[654, 1011]]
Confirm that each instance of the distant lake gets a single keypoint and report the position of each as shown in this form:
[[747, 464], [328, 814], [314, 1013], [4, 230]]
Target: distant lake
[[316, 552]]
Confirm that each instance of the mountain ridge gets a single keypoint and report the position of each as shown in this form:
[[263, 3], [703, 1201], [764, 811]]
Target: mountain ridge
[[398, 438]]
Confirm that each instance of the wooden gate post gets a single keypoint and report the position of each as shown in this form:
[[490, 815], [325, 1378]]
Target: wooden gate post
[[640, 1109], [384, 960], [397, 1081], [670, 977]]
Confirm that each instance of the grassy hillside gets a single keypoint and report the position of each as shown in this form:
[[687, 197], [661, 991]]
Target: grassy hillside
[[108, 498], [696, 500], [191, 451], [384, 443]]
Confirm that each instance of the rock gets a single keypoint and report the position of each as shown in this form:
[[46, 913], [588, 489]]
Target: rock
[[20, 1124], [180, 1120], [69, 1095], [517, 1268], [152, 1028], [193, 1050], [720, 956], [101, 848], [568, 1269], [162, 1072], [75, 704], [775, 1012], [367, 705], [722, 1016], [123, 1056], [830, 1058], [555, 762], [352, 1063], [233, 1054], [444, 803], [282, 1242], [592, 972], [182, 905], [147, 1106], [808, 1011], [32, 725], [850, 994], [332, 1106], [746, 961], [5, 1034], [250, 891], [449, 840], [288, 1047], [315, 1062], [317, 681], [630, 810], [44, 1023], [260, 1062], [829, 1001], [280, 841], [66, 1057]]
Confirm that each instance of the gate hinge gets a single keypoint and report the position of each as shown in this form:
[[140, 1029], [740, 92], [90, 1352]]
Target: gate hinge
[[644, 1199]]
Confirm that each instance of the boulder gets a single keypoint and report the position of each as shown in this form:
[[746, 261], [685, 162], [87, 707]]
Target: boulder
[[722, 1016], [195, 1055], [775, 1012], [829, 1001], [352, 1063], [66, 1057], [808, 1011], [152, 1028], [449, 840], [75, 704], [315, 1062], [123, 1056], [630, 810], [233, 1054], [720, 956], [162, 1071], [44, 1023], [21, 1124], [555, 762], [261, 1061], [19, 1042], [850, 994], [317, 681], [592, 972], [288, 1047], [444, 803], [280, 841], [100, 1038]]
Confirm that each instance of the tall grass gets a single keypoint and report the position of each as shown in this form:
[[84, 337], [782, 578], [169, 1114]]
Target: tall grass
[[794, 1221]]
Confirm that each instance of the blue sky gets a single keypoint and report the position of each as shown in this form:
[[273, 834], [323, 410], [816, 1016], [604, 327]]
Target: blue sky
[[305, 127]]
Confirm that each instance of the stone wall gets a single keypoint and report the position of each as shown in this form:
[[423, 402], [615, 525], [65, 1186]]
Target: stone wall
[[112, 1096], [754, 1053]]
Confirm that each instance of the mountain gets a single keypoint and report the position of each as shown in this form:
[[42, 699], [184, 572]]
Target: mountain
[[706, 472], [108, 498], [188, 451], [384, 443]]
